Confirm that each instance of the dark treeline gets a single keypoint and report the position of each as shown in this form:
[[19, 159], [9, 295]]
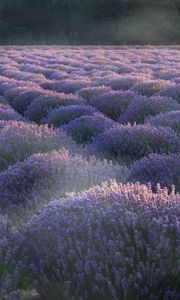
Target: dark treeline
[[89, 21]]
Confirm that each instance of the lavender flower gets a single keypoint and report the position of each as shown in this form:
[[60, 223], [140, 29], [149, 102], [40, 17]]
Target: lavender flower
[[116, 241], [156, 168], [91, 92], [142, 107], [124, 82], [113, 104], [18, 140], [8, 272], [149, 88], [169, 119], [70, 86], [40, 106], [9, 114], [22, 101], [129, 143], [64, 115], [171, 91], [113, 242], [52, 175], [85, 128]]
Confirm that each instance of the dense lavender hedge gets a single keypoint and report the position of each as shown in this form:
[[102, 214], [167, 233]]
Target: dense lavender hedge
[[41, 105], [113, 104], [64, 115], [91, 92], [114, 242], [170, 119], [51, 175], [6, 84], [3, 123], [172, 91], [156, 168], [18, 140], [142, 107], [7, 114], [85, 128], [3, 100], [124, 82], [9, 276], [149, 88], [129, 143], [12, 93], [71, 86], [22, 101]]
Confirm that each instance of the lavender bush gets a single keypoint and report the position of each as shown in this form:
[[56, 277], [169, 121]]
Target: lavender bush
[[71, 86], [6, 84], [113, 104], [7, 113], [3, 123], [171, 91], [8, 275], [129, 143], [85, 128], [18, 140], [64, 115], [124, 82], [53, 174], [12, 93], [142, 107], [91, 92], [22, 101], [156, 168], [114, 242], [111, 242], [40, 106], [169, 119], [149, 88]]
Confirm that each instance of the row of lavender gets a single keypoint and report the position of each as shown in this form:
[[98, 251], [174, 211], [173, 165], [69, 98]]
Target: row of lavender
[[88, 94], [116, 241]]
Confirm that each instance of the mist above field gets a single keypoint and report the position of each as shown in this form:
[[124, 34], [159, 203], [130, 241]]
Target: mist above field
[[89, 22]]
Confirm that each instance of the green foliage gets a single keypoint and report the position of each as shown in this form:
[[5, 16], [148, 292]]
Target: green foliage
[[88, 21]]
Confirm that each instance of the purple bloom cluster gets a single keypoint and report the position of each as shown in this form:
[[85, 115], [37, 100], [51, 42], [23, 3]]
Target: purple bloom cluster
[[91, 92], [124, 82], [113, 104], [71, 86], [171, 91], [18, 140], [41, 105], [170, 119], [142, 107], [149, 88], [9, 114], [53, 175], [22, 101], [14, 92], [3, 123], [6, 84], [129, 143], [58, 75], [156, 168], [117, 241], [113, 242], [85, 128], [8, 276], [64, 115]]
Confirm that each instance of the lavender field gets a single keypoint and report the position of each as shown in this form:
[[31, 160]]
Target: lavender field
[[90, 172]]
